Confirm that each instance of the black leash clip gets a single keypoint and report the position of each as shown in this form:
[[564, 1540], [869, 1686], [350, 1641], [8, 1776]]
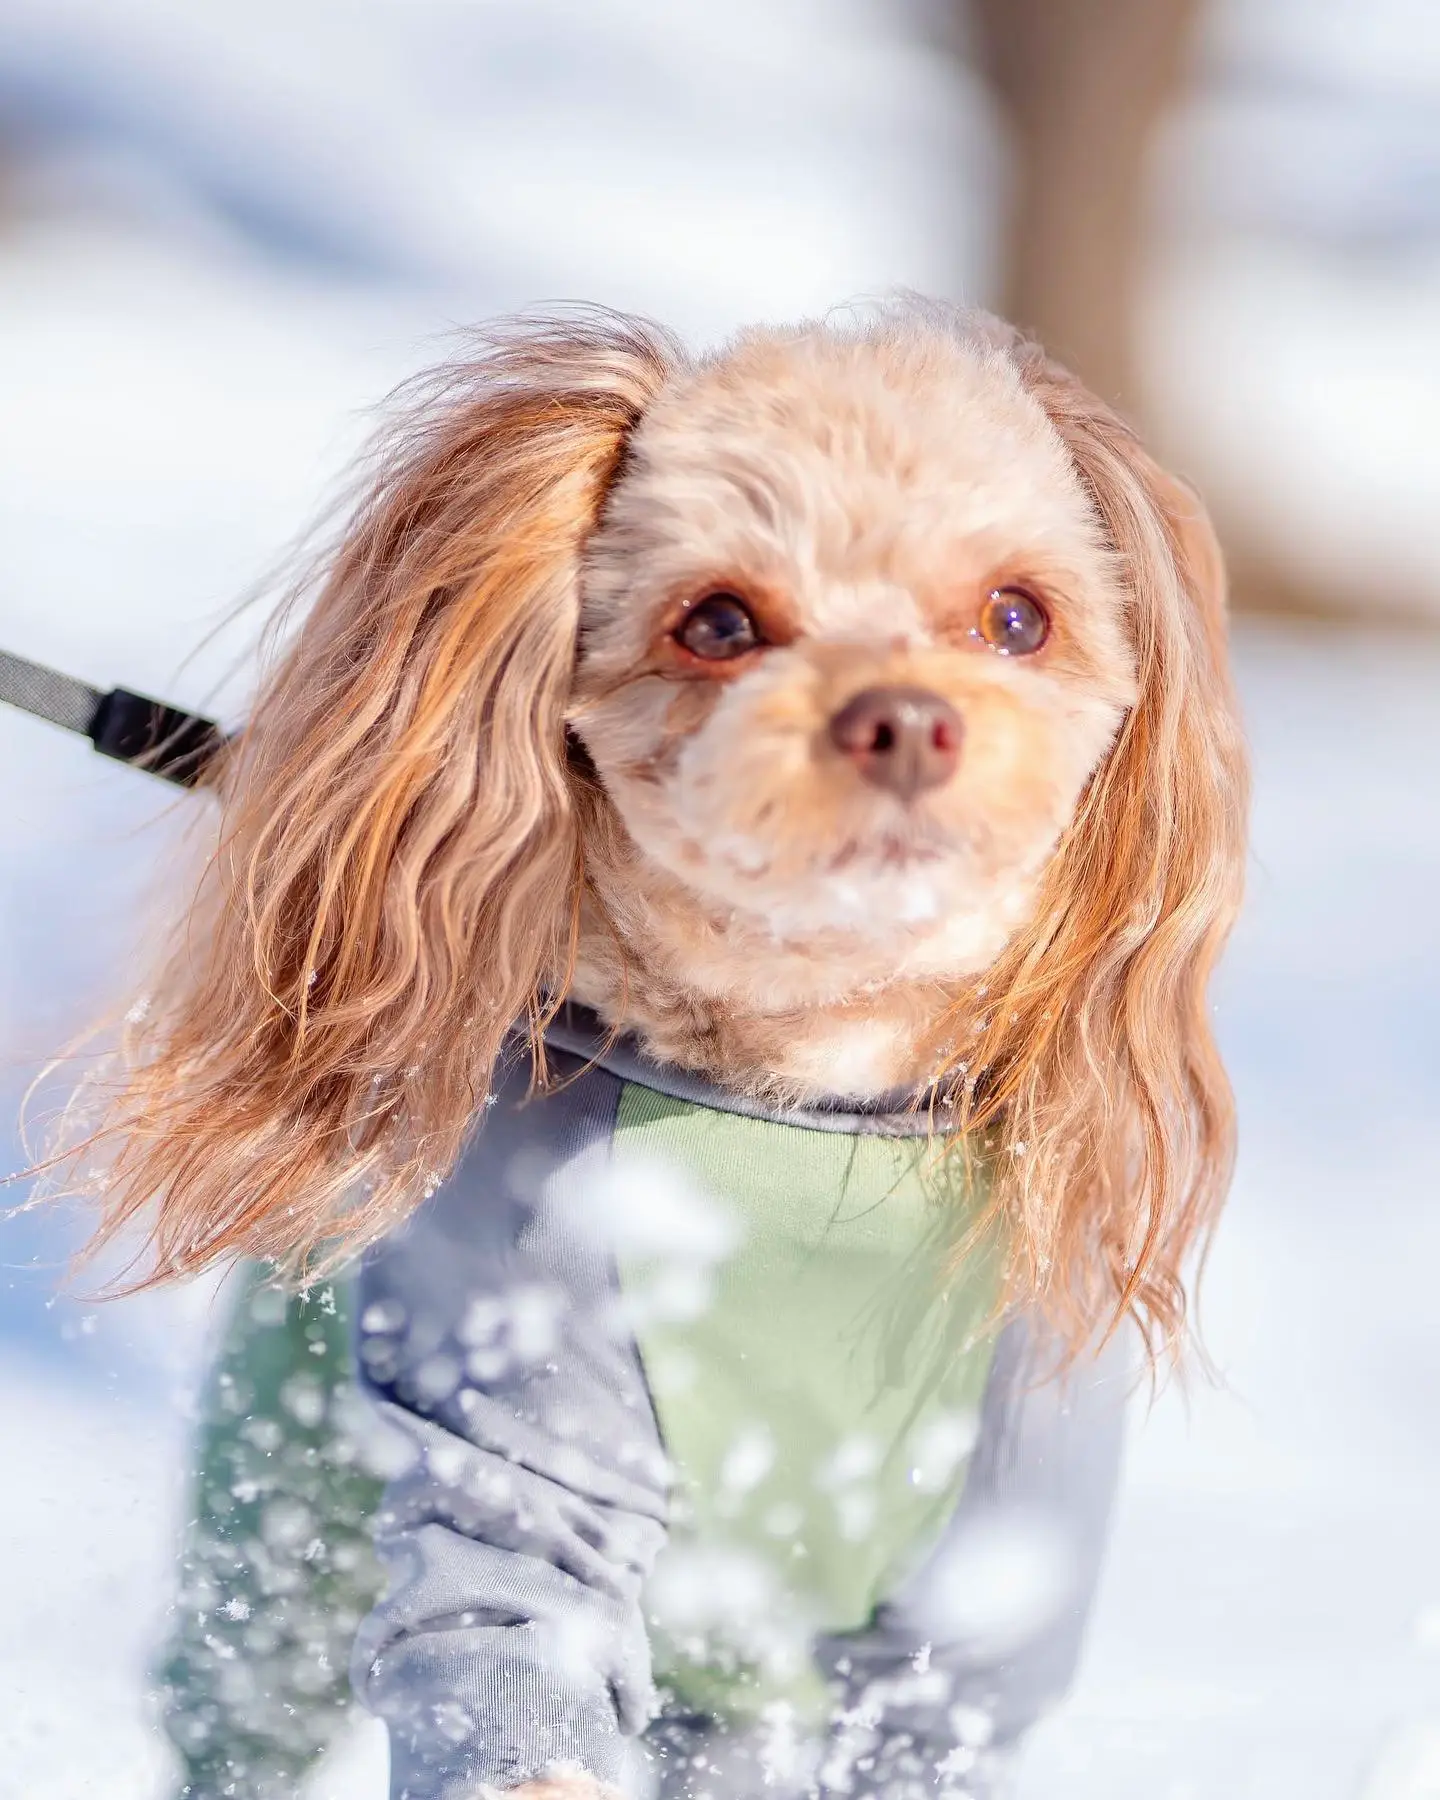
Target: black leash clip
[[176, 746]]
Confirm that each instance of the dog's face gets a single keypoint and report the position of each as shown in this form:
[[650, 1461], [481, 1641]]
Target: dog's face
[[852, 644]]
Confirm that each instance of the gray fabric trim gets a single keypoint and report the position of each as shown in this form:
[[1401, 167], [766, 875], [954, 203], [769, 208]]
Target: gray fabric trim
[[576, 1029], [532, 1502], [927, 1689]]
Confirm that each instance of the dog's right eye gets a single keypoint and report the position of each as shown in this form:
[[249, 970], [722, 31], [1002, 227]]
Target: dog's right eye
[[718, 627]]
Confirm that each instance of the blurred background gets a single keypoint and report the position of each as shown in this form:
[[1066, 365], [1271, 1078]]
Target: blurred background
[[226, 230]]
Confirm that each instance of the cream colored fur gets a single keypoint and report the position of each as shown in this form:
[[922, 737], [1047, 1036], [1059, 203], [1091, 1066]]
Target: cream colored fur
[[763, 914]]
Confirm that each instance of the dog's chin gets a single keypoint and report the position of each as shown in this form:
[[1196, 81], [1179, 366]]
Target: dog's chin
[[908, 904]]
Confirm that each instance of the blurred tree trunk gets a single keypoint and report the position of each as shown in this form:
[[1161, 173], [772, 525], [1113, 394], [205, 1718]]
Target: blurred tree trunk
[[1083, 84]]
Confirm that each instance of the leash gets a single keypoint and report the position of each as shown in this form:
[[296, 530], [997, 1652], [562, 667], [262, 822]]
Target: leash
[[131, 728]]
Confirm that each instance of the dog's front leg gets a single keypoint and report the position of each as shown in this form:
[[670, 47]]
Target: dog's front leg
[[529, 1491]]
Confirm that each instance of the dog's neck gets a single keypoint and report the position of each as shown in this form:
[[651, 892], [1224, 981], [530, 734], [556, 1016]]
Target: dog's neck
[[716, 991]]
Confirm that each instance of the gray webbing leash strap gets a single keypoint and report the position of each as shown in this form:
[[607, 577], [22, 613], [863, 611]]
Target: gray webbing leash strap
[[131, 728]]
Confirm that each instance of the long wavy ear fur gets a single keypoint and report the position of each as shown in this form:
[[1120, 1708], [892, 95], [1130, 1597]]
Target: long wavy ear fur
[[399, 862], [1102, 1090]]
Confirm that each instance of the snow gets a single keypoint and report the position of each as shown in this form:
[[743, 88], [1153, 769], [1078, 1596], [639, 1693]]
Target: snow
[[177, 404]]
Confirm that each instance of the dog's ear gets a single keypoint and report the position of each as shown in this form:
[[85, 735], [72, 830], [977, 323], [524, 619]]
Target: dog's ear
[[1104, 1075], [399, 869]]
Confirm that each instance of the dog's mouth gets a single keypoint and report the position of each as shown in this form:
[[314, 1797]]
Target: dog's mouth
[[887, 855], [861, 855]]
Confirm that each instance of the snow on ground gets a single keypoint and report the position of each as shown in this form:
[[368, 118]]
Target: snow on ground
[[175, 407], [88, 1483], [86, 1515]]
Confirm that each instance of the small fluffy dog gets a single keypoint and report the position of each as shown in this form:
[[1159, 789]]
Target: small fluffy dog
[[833, 734]]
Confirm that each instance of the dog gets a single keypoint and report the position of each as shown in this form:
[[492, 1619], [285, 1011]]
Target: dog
[[811, 770]]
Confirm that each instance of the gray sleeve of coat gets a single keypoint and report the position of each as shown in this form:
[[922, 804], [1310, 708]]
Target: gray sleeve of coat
[[985, 1635], [532, 1500]]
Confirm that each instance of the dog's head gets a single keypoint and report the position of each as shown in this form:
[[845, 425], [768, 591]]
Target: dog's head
[[852, 643], [885, 647]]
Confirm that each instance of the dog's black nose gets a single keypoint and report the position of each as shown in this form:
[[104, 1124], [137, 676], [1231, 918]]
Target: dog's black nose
[[903, 739]]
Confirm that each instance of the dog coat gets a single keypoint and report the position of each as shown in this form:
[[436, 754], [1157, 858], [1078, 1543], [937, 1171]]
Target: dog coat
[[698, 1410]]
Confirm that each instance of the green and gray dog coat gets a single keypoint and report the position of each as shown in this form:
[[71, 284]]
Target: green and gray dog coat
[[697, 1431]]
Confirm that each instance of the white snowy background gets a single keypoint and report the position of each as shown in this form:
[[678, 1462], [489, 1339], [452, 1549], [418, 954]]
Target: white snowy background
[[226, 230]]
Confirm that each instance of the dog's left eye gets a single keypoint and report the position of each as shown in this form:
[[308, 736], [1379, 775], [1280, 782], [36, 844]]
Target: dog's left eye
[[718, 627], [1014, 622]]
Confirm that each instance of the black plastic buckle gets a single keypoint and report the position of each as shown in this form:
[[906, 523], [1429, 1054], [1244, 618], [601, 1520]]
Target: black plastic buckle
[[177, 746]]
